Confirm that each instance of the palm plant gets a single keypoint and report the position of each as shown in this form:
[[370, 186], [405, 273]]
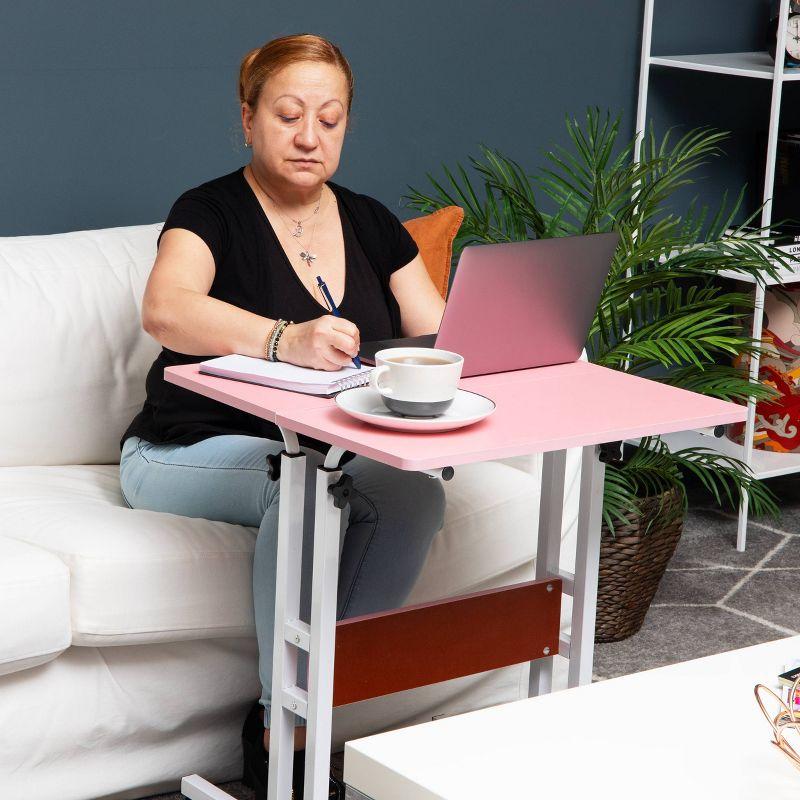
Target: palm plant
[[663, 312]]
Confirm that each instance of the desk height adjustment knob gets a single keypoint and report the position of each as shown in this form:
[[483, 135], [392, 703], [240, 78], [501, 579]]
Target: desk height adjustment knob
[[340, 491], [274, 466], [274, 463], [611, 452]]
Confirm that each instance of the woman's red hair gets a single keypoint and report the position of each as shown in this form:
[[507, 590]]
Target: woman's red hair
[[264, 61]]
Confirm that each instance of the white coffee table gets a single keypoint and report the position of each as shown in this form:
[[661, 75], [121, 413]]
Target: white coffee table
[[691, 730]]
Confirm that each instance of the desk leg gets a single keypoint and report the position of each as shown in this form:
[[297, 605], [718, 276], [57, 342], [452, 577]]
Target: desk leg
[[290, 632], [548, 549], [587, 564], [328, 522]]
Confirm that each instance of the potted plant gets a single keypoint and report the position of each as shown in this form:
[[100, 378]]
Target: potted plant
[[664, 314]]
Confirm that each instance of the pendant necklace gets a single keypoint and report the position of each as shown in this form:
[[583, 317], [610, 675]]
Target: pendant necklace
[[308, 257], [305, 254], [298, 230]]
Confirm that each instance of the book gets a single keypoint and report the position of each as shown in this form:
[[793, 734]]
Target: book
[[280, 375], [788, 678], [785, 240]]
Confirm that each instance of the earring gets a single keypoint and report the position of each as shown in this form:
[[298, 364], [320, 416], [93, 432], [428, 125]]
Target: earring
[[246, 143]]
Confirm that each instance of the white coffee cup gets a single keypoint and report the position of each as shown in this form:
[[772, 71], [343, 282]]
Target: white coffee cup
[[416, 381]]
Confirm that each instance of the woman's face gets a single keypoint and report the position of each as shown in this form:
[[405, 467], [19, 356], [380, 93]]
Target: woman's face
[[298, 127]]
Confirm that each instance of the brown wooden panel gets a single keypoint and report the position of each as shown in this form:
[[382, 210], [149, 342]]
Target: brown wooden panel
[[387, 652]]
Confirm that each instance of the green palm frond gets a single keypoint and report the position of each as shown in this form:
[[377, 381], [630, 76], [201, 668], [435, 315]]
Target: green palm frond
[[671, 325], [649, 472], [726, 477], [654, 469], [663, 311], [718, 380]]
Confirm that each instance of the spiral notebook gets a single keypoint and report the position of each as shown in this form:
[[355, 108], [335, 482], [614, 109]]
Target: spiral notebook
[[280, 375]]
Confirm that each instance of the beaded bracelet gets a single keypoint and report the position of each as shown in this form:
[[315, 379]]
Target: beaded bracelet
[[284, 325], [274, 333], [268, 340], [274, 350]]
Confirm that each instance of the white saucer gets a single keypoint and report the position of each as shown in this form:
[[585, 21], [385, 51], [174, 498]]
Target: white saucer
[[365, 403]]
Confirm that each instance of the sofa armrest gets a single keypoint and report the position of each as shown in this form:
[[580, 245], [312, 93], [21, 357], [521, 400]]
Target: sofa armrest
[[34, 585]]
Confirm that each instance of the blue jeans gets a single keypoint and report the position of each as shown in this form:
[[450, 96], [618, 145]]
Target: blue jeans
[[391, 520]]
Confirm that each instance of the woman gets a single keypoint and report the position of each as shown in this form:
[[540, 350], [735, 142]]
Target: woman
[[237, 261]]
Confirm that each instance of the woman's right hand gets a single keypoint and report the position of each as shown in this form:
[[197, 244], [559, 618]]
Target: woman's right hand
[[326, 342]]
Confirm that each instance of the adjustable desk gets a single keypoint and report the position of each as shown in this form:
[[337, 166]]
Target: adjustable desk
[[544, 410]]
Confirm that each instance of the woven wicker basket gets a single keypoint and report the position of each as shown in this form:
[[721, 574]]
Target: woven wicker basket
[[632, 564]]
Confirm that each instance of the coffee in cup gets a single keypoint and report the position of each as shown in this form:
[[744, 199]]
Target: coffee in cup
[[417, 360], [416, 381]]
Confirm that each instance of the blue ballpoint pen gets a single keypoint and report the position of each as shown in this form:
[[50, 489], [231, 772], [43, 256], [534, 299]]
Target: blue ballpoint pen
[[335, 311]]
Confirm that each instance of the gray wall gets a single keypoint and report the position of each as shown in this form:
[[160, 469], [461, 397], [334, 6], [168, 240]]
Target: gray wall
[[110, 110]]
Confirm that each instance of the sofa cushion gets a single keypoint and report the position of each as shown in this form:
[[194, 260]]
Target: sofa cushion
[[489, 532], [73, 342], [136, 576], [491, 527], [34, 612], [144, 576], [434, 234]]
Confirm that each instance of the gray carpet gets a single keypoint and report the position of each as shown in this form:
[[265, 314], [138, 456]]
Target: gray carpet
[[711, 599]]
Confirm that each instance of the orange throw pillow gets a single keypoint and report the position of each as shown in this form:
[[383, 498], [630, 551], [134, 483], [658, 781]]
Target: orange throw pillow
[[434, 234]]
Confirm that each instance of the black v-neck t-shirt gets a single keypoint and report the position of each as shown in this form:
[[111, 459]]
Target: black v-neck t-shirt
[[253, 272]]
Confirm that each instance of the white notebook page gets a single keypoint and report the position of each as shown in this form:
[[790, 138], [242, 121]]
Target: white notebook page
[[282, 371]]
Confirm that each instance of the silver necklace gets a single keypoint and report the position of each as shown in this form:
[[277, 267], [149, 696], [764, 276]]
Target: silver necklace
[[308, 257], [306, 254], [298, 231], [298, 223]]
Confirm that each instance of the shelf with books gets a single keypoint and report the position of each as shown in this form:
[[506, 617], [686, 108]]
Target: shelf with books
[[785, 275], [789, 244]]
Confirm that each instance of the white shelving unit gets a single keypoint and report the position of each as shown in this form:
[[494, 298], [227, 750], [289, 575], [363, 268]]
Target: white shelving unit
[[785, 275], [765, 464], [747, 65]]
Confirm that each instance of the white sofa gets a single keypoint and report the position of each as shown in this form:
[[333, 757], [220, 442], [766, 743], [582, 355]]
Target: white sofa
[[127, 643]]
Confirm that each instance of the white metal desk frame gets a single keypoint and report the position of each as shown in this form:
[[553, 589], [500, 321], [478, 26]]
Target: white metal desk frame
[[318, 639]]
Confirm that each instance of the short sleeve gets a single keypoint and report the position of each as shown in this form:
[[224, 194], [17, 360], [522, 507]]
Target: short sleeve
[[200, 212], [396, 242], [406, 249]]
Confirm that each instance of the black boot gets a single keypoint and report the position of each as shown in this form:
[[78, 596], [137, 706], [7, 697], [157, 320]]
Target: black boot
[[255, 761]]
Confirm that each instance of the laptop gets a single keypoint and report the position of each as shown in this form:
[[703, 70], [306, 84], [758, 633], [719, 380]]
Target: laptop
[[518, 305]]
